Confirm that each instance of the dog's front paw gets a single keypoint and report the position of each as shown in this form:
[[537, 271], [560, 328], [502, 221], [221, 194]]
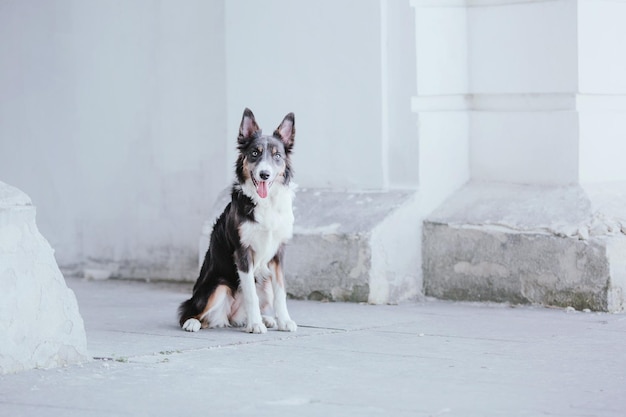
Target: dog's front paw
[[257, 328], [192, 325], [269, 322], [287, 326]]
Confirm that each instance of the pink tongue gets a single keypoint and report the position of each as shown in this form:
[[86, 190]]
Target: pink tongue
[[261, 189]]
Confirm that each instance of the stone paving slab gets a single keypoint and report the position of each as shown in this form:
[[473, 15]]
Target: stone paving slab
[[424, 359]]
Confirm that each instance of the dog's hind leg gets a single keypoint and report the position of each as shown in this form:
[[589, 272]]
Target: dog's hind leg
[[218, 308], [190, 311], [189, 320], [237, 316], [202, 311]]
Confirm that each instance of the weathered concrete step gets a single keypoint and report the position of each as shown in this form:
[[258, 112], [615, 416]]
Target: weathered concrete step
[[522, 244], [350, 246]]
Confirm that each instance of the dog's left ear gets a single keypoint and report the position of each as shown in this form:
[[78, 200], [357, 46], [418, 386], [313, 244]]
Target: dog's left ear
[[248, 126], [286, 131]]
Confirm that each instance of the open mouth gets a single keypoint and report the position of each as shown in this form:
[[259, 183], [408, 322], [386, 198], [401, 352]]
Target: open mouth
[[262, 187]]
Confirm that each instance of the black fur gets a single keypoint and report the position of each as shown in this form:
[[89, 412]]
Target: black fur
[[222, 257]]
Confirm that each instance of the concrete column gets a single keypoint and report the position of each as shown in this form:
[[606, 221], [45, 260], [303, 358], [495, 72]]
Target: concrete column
[[523, 84], [601, 101], [486, 78], [441, 100], [542, 87], [540, 83]]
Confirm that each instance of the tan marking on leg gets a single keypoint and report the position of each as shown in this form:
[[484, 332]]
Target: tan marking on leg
[[265, 293], [277, 271], [220, 292]]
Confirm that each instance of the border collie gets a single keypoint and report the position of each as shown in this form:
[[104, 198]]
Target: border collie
[[241, 282]]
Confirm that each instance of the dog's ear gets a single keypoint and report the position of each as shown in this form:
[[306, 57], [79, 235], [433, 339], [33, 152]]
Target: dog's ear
[[286, 131], [248, 126]]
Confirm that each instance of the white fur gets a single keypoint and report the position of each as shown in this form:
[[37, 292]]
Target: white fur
[[192, 325], [273, 223], [280, 308], [254, 322], [287, 326], [264, 166], [269, 321]]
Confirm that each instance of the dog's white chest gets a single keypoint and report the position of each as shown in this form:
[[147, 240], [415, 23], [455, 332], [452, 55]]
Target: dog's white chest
[[273, 226]]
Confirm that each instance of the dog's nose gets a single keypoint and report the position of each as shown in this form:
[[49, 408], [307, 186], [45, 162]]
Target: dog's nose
[[264, 175]]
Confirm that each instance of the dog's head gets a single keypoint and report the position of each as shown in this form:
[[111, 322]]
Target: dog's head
[[264, 160]]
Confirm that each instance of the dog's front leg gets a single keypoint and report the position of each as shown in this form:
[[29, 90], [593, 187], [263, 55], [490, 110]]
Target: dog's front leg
[[280, 296], [254, 322]]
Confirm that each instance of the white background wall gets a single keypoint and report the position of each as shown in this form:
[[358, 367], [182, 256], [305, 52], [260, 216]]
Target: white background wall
[[119, 118], [112, 120]]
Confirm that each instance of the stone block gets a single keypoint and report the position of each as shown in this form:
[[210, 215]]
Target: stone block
[[40, 325], [350, 246], [525, 244]]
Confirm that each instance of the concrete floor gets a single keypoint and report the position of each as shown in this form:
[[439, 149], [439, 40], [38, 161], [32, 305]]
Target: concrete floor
[[426, 359]]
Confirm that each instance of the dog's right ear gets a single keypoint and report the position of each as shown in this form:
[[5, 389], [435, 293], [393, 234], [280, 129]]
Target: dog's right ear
[[287, 130], [248, 126]]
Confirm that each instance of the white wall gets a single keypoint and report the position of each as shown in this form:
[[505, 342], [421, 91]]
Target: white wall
[[602, 90], [400, 136], [34, 141], [345, 69], [112, 119], [120, 118]]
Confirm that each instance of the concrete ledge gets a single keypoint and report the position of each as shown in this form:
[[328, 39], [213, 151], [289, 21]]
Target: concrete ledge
[[40, 326], [523, 244], [350, 246]]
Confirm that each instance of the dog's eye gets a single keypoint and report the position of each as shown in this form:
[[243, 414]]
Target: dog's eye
[[255, 153], [277, 156]]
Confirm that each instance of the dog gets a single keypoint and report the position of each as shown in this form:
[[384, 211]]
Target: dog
[[241, 281]]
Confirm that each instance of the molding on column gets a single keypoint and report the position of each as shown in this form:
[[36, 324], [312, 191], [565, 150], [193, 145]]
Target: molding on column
[[438, 3], [523, 102], [459, 102], [519, 102], [441, 4], [601, 102], [476, 3], [495, 102]]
